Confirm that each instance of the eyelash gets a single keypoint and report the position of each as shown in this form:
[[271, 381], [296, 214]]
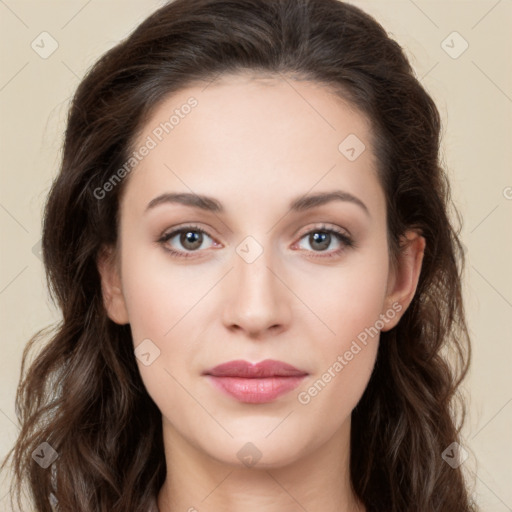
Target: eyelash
[[346, 241]]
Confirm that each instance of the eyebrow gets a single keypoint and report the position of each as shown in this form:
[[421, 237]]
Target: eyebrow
[[299, 204]]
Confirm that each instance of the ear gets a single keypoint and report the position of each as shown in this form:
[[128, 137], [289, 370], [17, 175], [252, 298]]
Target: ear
[[113, 298], [403, 279]]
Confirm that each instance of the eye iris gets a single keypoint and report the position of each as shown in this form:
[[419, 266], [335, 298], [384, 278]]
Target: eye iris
[[191, 237], [323, 238]]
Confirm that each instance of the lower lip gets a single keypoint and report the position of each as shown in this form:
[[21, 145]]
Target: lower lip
[[256, 391]]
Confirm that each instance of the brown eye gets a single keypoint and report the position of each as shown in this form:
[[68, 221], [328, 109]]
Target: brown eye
[[323, 237], [320, 240], [184, 241], [191, 240]]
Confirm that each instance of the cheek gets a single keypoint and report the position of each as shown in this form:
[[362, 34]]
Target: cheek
[[345, 357], [330, 396], [350, 299], [161, 308], [350, 307], [165, 305], [158, 295]]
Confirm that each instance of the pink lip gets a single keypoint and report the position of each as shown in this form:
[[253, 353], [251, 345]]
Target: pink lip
[[259, 383]]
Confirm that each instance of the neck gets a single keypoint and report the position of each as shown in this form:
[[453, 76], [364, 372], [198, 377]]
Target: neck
[[319, 480]]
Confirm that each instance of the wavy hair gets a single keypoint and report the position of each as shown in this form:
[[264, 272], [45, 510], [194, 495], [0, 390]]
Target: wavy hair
[[83, 394]]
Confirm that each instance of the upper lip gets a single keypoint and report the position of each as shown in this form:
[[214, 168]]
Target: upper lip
[[266, 368]]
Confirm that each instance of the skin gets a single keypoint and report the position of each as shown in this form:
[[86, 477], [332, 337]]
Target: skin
[[255, 144]]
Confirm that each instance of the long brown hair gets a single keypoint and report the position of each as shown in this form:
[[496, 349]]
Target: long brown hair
[[83, 394]]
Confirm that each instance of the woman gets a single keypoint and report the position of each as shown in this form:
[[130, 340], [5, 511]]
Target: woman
[[250, 244]]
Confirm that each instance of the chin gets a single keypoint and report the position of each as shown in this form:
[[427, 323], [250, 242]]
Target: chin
[[257, 452]]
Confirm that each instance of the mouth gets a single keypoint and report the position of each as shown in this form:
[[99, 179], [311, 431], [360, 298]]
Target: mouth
[[255, 383]]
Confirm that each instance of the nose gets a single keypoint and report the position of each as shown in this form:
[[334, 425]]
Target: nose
[[258, 301]]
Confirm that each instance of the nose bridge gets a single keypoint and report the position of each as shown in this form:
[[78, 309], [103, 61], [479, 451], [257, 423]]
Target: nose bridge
[[257, 300]]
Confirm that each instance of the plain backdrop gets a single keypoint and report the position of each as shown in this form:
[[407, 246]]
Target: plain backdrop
[[462, 53]]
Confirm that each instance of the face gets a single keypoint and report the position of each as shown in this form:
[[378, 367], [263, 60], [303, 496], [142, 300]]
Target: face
[[256, 271]]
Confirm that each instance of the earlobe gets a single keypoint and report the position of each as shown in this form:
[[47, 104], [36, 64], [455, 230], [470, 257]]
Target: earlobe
[[403, 280], [113, 298]]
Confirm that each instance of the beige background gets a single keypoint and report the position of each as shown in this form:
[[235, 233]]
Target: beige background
[[473, 93]]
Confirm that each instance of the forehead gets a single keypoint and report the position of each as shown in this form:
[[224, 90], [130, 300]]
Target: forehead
[[245, 137]]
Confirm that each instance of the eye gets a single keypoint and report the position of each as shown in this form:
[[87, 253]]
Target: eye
[[322, 237], [191, 239]]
